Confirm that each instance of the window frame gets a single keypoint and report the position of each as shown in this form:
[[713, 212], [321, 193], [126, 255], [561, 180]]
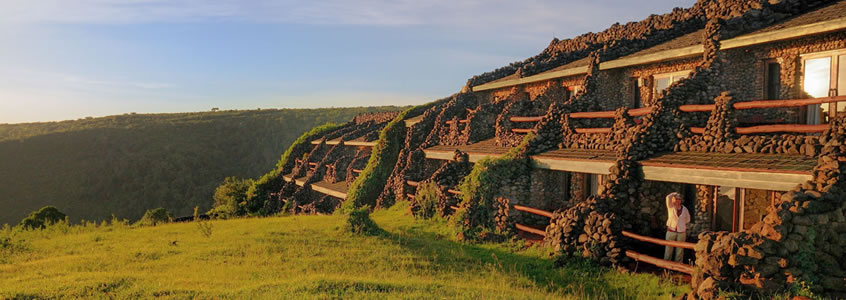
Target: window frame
[[833, 78], [672, 76]]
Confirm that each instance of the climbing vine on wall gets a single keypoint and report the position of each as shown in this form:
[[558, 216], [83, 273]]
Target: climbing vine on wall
[[480, 211]]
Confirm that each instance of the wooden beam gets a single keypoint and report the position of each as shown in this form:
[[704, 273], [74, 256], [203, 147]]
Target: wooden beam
[[764, 104], [696, 107], [782, 128], [649, 239], [412, 183], [536, 211], [666, 264], [586, 115], [593, 130], [801, 128], [519, 119], [522, 130], [592, 115], [786, 103], [530, 229], [637, 112]]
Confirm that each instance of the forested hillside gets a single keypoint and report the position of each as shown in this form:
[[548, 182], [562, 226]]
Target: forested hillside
[[123, 165]]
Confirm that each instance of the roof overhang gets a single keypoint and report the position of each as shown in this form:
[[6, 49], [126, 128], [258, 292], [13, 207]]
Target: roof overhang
[[540, 162], [346, 143], [318, 188], [753, 179], [734, 178], [680, 53]]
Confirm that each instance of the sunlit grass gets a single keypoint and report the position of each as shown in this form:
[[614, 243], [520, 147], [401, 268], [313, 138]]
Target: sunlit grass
[[297, 256]]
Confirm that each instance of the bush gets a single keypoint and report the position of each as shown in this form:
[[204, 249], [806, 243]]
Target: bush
[[228, 196], [359, 222], [426, 201], [41, 218], [155, 216], [476, 213]]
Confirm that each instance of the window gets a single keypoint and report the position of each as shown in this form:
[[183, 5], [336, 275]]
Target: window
[[663, 81], [773, 86], [824, 75], [636, 100], [593, 182]]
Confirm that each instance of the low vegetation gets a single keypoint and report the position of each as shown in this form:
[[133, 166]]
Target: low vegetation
[[295, 257]]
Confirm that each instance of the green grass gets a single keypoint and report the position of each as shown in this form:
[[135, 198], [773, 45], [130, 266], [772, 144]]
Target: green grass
[[296, 257]]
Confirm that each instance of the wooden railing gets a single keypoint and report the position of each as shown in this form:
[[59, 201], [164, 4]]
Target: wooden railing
[[799, 128], [666, 264], [764, 104], [533, 211], [581, 115], [658, 241], [528, 229]]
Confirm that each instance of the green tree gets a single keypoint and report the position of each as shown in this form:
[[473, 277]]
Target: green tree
[[41, 218], [156, 216], [228, 197]]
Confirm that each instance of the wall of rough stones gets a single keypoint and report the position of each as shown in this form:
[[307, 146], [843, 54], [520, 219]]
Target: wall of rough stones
[[702, 211], [800, 239], [411, 162]]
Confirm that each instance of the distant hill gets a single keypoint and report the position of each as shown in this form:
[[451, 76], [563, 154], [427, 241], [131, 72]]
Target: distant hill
[[123, 165]]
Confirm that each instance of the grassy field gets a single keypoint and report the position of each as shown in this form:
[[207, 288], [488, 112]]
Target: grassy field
[[296, 257]]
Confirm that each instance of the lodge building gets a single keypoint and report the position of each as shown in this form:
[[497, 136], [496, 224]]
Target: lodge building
[[737, 105]]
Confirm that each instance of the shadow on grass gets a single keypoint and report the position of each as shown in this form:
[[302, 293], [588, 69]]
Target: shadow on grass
[[578, 277]]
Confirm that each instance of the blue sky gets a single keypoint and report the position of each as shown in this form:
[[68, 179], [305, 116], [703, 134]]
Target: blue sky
[[69, 59]]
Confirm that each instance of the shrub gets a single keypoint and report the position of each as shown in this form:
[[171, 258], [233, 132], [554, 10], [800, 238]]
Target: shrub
[[204, 226], [155, 216], [359, 222], [41, 218], [426, 201], [228, 196], [476, 212]]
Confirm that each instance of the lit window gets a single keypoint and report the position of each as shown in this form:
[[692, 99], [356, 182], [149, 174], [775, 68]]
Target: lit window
[[817, 76], [663, 81], [824, 75]]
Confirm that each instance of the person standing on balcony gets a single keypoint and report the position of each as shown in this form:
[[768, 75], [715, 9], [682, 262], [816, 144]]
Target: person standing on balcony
[[677, 219]]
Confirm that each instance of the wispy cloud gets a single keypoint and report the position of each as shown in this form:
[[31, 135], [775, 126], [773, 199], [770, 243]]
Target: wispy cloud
[[529, 15]]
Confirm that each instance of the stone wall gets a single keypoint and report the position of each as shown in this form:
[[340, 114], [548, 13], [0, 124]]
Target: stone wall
[[800, 239]]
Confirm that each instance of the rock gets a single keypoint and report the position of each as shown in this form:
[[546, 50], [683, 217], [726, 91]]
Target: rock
[[707, 289]]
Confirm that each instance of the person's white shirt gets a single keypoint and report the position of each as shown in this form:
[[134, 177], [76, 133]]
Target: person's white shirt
[[676, 222]]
